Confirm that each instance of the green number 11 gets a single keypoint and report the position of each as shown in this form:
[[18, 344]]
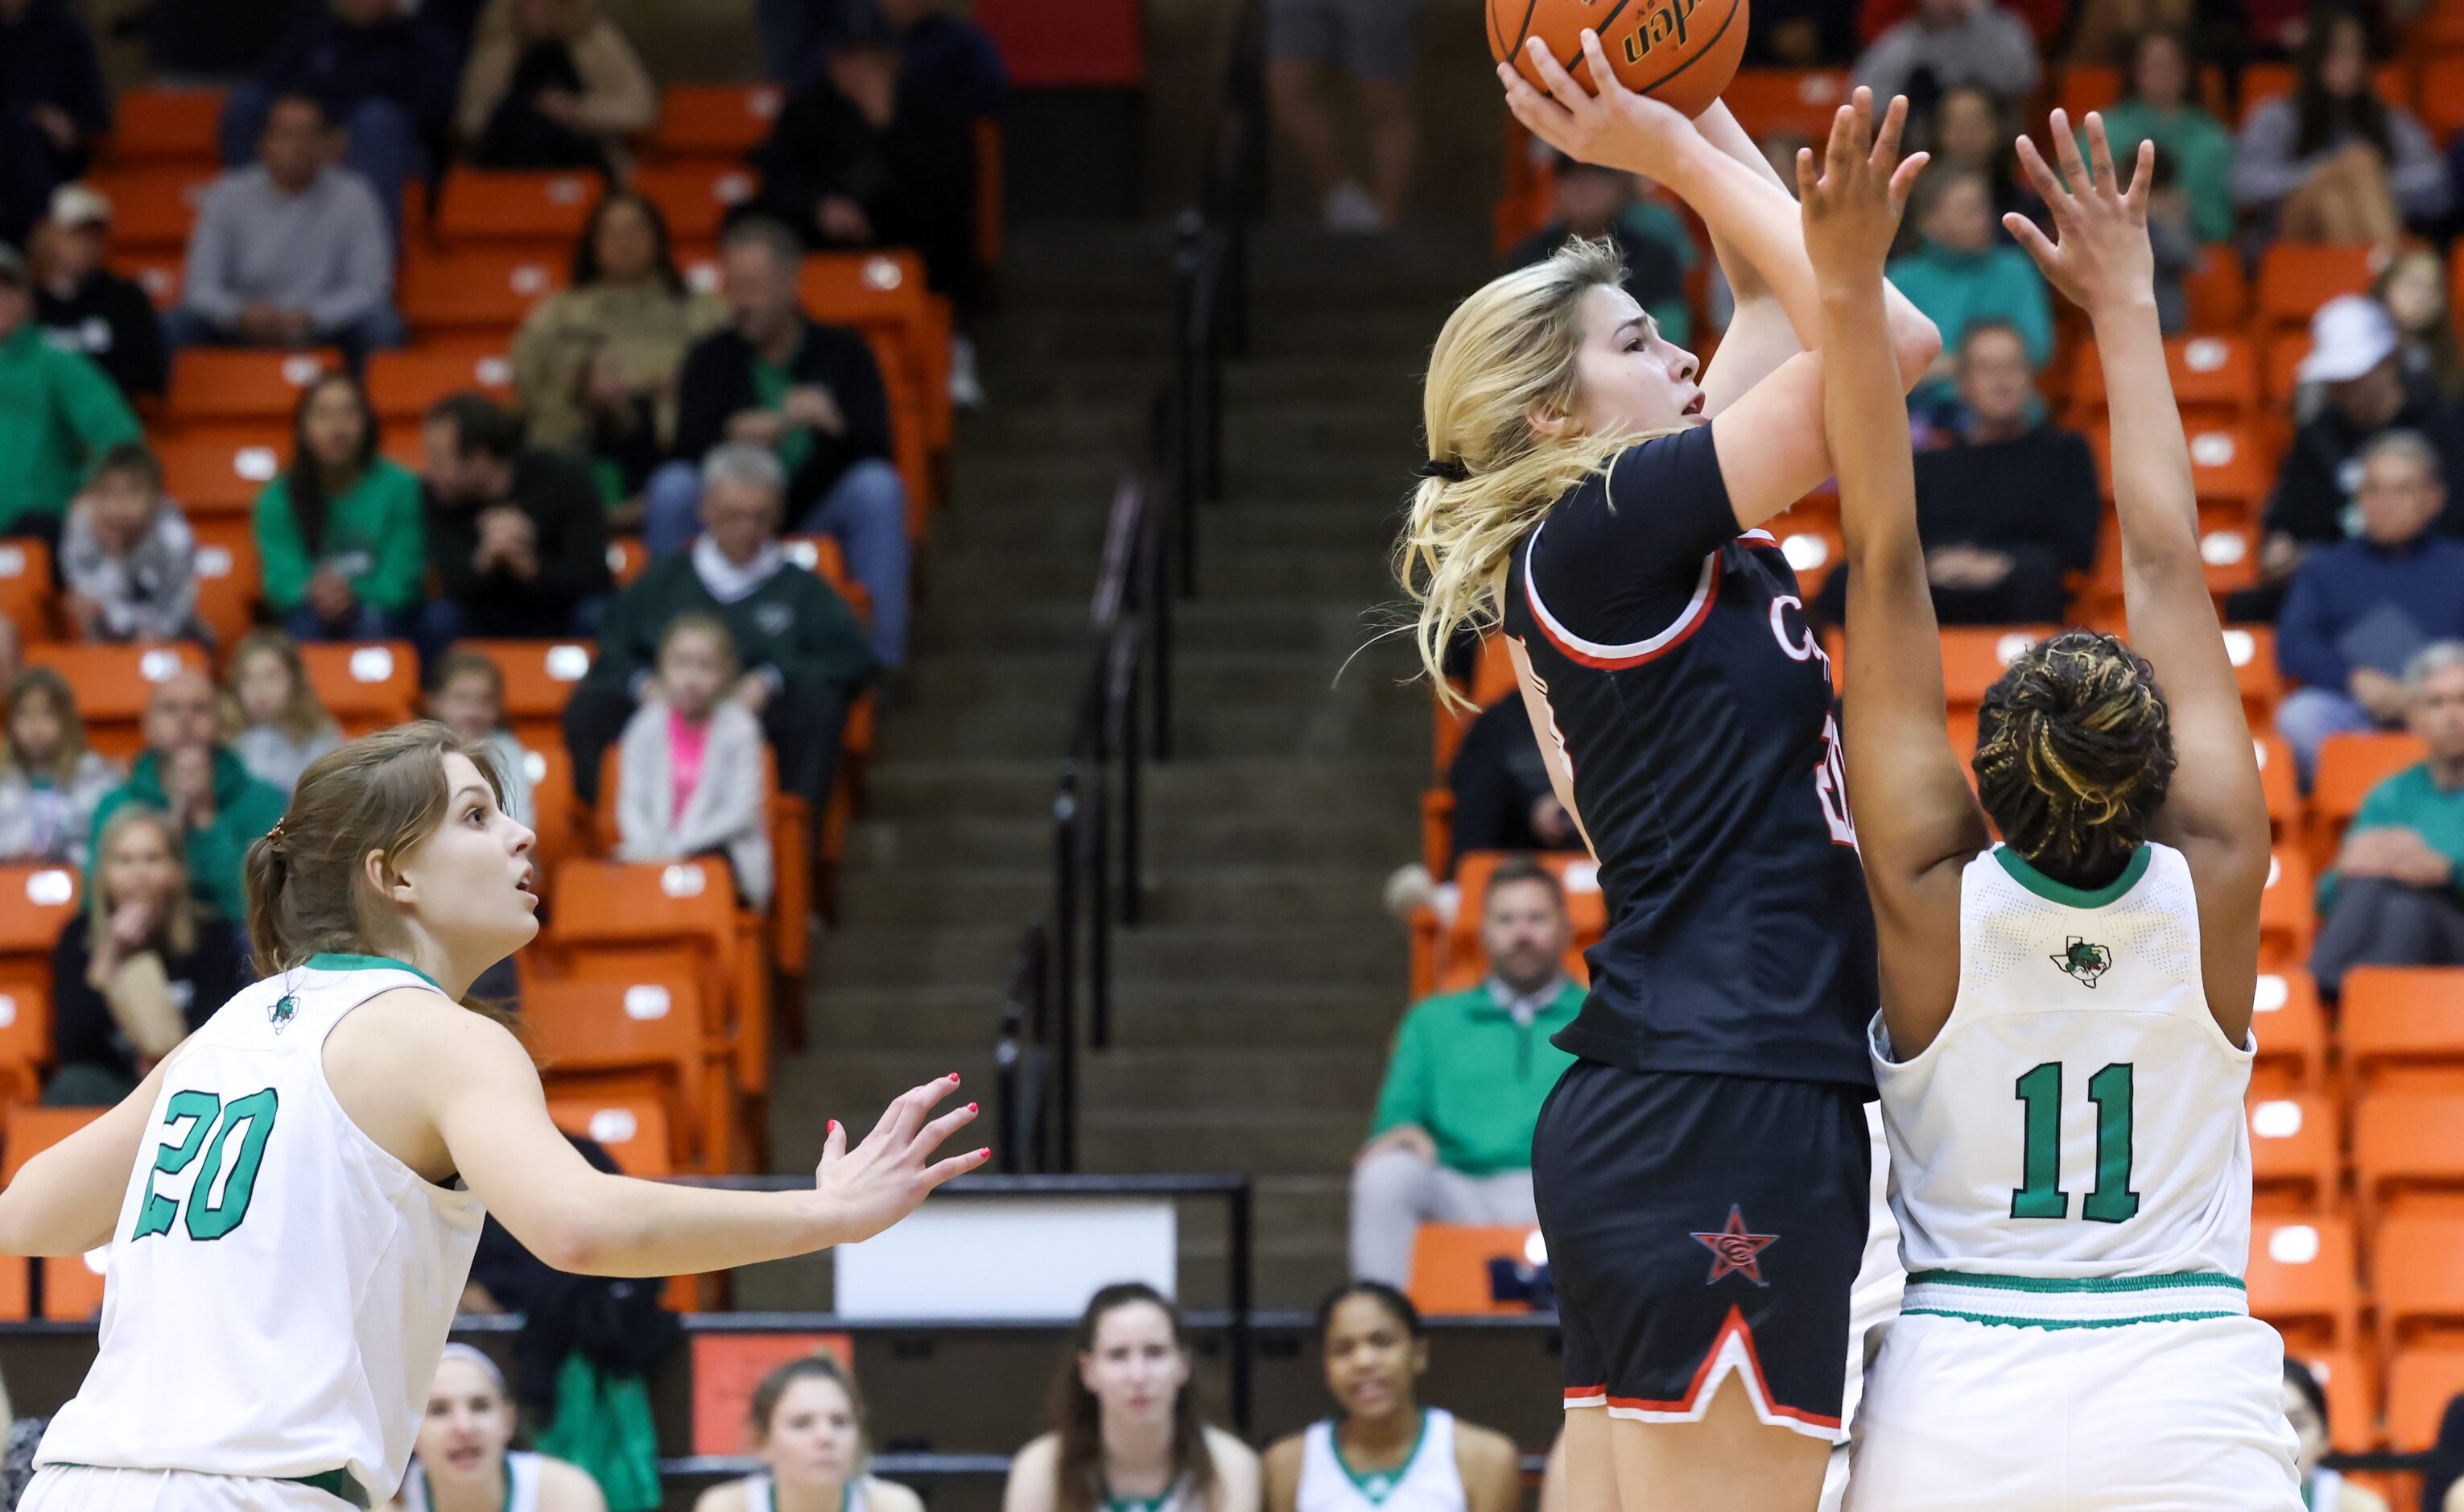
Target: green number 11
[[2040, 1194]]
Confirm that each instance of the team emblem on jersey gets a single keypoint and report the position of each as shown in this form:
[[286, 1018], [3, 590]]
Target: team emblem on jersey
[[285, 1009], [2082, 962], [1735, 1252]]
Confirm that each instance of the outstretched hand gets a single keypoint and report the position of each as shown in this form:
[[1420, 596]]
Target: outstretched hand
[[1608, 124], [888, 1176], [2102, 257], [1852, 211]]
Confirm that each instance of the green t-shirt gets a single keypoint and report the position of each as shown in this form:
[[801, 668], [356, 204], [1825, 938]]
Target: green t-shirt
[[2197, 145], [374, 537], [2411, 799], [1465, 1071]]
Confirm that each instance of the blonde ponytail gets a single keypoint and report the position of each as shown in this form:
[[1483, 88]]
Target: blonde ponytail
[[1507, 353]]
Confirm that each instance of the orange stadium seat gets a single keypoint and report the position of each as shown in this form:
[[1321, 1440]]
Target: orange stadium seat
[[113, 684], [73, 1286], [825, 559], [2089, 86], [626, 559], [632, 1127], [2261, 82], [884, 293], [2294, 279], [25, 1037], [228, 583], [480, 206], [2396, 1020], [2286, 916], [2278, 777], [1774, 100], [158, 272], [2353, 1397], [1450, 1267], [2420, 1383], [715, 120], [2302, 1280], [2296, 1161], [34, 1128], [221, 384], [1493, 677], [216, 475], [1975, 656], [154, 207], [2349, 766], [2442, 94], [2292, 1032], [2215, 380], [2409, 1150], [2217, 292], [540, 679], [550, 771], [695, 201], [654, 1025], [404, 384], [366, 685], [2252, 649], [16, 1291], [476, 288], [26, 586], [1457, 955], [618, 907], [2417, 1280], [165, 126]]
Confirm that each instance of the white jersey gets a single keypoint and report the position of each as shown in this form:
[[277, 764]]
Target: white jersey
[[280, 1287], [1429, 1482], [2072, 1144], [761, 1494], [522, 1484]]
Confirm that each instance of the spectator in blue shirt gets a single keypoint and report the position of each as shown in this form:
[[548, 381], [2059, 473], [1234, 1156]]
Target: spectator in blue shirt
[[2358, 610], [2396, 896]]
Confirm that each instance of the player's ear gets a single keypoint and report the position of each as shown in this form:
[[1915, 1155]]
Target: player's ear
[[1544, 423]]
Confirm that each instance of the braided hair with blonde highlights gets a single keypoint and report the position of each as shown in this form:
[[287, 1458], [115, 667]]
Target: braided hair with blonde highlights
[[2074, 755]]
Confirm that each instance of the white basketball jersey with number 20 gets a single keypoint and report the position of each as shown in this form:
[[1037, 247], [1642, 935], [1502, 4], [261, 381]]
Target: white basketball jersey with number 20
[[280, 1287], [2080, 1114]]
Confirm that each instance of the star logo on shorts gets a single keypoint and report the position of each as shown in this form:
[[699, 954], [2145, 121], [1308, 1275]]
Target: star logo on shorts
[[1735, 1252]]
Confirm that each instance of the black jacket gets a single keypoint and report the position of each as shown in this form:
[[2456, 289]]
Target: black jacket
[[47, 59], [110, 320], [2315, 482], [556, 492], [84, 1031], [915, 177], [717, 384], [2034, 497]]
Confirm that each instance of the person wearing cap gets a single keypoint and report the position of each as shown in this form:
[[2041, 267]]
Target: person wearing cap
[[291, 251], [86, 307], [2357, 363], [2358, 610], [58, 414]]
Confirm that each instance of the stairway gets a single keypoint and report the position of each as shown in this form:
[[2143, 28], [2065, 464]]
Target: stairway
[[1253, 1009]]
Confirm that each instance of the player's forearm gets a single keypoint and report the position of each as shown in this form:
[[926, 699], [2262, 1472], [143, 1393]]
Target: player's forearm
[[2154, 497], [1867, 427], [618, 1226]]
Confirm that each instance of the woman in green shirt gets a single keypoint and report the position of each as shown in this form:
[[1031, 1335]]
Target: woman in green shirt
[[338, 537], [2162, 106]]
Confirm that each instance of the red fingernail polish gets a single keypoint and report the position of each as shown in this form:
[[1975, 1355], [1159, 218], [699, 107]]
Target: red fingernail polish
[[953, 1075], [971, 1107]]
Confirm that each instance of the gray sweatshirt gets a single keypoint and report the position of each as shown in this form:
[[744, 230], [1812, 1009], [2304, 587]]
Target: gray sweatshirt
[[1991, 48], [325, 250], [277, 758], [150, 593]]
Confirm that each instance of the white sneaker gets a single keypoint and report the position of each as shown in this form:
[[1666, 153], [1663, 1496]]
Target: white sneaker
[[1352, 209], [967, 389]]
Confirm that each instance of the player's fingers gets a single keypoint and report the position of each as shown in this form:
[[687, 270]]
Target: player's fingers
[[907, 1114], [1806, 177], [1603, 78], [2143, 180], [941, 1129], [1835, 151], [1544, 117], [942, 1170], [2027, 234], [1861, 135], [834, 1142], [2100, 152], [1560, 84], [2066, 152], [2049, 188], [1904, 179], [1887, 140]]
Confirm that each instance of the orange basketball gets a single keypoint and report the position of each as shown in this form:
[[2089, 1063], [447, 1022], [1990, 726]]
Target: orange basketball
[[1683, 52]]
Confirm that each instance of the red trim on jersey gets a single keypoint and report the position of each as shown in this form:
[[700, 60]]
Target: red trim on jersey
[[1735, 1324], [1683, 629], [1585, 1392], [1758, 537]]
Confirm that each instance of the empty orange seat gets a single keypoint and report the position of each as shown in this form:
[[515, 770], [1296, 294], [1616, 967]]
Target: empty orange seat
[[550, 772], [2216, 379], [2409, 1147], [2277, 778], [2417, 1280], [366, 685], [540, 679], [585, 1024], [73, 1285], [114, 683], [158, 272], [626, 559], [2394, 1018], [2349, 766], [2291, 1028], [228, 583], [2442, 94], [2302, 1280], [165, 126], [2294, 279], [475, 288], [2286, 918], [217, 474], [26, 586], [2217, 291], [26, 1022], [213, 385], [622, 906], [714, 119], [2420, 1383], [632, 1128], [2293, 1150], [404, 384], [154, 205], [1973, 658], [2352, 1394], [1450, 1266], [2252, 649], [34, 1128], [1776, 99], [480, 206], [695, 201]]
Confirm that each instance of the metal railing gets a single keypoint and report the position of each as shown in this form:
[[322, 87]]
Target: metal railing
[[1124, 716]]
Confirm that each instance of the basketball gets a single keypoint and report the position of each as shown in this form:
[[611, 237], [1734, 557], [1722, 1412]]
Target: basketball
[[1680, 51]]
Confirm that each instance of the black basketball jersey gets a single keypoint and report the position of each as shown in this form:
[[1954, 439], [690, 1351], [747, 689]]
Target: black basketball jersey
[[1694, 708]]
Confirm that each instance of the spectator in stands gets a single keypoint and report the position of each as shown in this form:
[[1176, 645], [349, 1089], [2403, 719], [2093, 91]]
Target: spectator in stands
[[804, 655], [10, 662], [2413, 289], [282, 725], [1598, 203], [128, 561], [1452, 1139], [379, 70], [216, 806], [84, 306], [50, 85], [338, 535], [290, 250], [517, 534], [58, 414], [813, 395], [2106, 32], [1968, 132], [1124, 1421], [50, 783], [1965, 271], [689, 774], [855, 161], [1377, 45], [1503, 799], [2305, 1408], [808, 1432], [1946, 43], [464, 1455], [2358, 610], [2163, 107], [2396, 895], [596, 365], [2334, 163], [946, 57], [468, 696], [1802, 33], [2357, 361], [140, 967], [552, 84]]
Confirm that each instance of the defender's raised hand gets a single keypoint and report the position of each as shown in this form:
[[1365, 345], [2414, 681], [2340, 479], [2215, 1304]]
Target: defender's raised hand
[[1852, 210], [2101, 257], [1608, 124]]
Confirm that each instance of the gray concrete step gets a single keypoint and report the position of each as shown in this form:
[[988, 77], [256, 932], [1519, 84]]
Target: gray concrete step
[[1229, 894]]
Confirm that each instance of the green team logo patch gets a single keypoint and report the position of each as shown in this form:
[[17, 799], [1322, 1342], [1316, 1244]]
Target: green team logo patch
[[2082, 962], [285, 1009]]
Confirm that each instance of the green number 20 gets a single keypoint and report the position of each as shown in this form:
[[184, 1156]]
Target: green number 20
[[205, 1113], [2040, 1194]]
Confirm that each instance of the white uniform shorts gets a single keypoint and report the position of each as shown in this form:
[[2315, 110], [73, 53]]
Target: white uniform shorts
[[2171, 1416], [1873, 1307], [98, 1488]]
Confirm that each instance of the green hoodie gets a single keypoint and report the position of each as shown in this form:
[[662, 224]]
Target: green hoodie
[[58, 414], [244, 808], [1474, 1079]]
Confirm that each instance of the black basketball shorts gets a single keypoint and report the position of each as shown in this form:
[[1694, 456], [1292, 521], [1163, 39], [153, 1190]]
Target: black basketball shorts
[[1700, 1226]]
